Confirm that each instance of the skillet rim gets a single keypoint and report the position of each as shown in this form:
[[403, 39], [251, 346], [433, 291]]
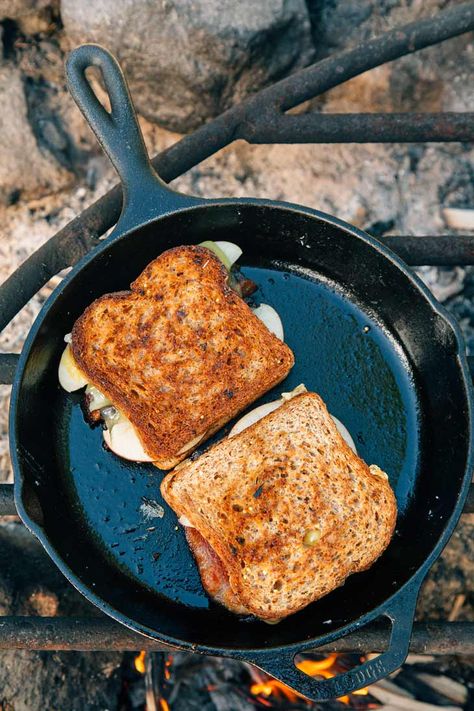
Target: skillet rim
[[414, 581]]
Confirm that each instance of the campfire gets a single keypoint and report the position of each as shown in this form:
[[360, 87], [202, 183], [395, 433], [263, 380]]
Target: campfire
[[170, 682], [57, 652], [266, 691]]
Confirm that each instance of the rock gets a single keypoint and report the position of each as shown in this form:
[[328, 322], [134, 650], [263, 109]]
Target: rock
[[36, 600], [431, 80], [35, 23], [74, 681], [327, 18], [13, 9], [30, 584], [58, 127], [186, 61], [24, 168]]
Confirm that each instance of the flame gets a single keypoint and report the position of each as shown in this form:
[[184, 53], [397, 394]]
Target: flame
[[273, 687], [321, 667], [168, 663], [140, 662], [313, 667]]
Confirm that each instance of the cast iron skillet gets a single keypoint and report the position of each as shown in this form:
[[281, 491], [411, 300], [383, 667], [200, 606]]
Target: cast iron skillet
[[367, 336]]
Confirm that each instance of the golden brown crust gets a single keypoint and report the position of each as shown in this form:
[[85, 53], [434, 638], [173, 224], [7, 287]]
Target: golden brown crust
[[180, 354], [254, 496]]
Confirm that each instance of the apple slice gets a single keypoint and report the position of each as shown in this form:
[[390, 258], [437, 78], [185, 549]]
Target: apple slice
[[71, 378], [263, 410], [95, 399], [123, 441], [271, 319], [231, 251], [254, 416], [345, 434], [227, 252]]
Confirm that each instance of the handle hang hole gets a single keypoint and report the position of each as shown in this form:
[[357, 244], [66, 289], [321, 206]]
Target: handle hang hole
[[98, 86], [96, 80]]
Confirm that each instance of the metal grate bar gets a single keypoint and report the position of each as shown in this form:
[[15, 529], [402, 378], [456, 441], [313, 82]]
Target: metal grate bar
[[96, 634], [313, 127], [435, 250]]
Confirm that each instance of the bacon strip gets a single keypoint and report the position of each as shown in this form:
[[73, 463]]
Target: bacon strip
[[213, 575]]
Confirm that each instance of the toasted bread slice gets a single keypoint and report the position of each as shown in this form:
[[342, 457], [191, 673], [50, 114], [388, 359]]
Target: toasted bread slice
[[180, 354], [258, 500]]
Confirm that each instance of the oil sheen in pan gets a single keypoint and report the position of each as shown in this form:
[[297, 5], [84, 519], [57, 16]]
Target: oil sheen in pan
[[340, 353]]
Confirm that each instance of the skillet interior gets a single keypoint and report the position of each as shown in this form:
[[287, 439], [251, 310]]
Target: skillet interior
[[398, 388]]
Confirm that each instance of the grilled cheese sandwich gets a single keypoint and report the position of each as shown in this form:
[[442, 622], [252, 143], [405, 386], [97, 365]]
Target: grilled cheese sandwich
[[173, 359]]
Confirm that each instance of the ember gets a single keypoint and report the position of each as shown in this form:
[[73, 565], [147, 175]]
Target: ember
[[168, 663]]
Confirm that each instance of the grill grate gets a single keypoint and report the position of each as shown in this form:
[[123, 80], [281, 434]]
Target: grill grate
[[260, 119], [89, 634]]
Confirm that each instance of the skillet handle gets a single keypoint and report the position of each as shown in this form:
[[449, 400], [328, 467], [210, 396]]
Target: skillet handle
[[401, 612], [145, 194]]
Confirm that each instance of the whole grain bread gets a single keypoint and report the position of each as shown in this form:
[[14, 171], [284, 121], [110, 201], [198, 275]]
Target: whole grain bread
[[259, 497], [180, 354]]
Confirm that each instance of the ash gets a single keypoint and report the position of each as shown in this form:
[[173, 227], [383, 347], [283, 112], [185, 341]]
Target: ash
[[454, 288], [461, 305]]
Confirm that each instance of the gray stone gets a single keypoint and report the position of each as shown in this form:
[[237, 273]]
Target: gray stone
[[24, 168], [13, 9], [186, 61], [430, 80], [30, 681]]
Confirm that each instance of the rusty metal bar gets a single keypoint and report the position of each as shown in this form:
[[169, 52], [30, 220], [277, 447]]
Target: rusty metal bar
[[62, 250], [315, 127], [81, 234], [335, 70], [89, 634], [435, 250]]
